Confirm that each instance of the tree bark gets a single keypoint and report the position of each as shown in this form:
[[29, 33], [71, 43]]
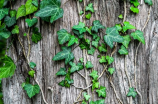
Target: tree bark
[[107, 11]]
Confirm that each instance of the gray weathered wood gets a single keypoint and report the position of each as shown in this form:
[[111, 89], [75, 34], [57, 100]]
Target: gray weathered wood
[[42, 53]]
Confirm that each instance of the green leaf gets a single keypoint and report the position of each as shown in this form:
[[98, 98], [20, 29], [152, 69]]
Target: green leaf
[[94, 36], [120, 16], [109, 59], [58, 14], [31, 90], [89, 30], [111, 70], [76, 32], [74, 67], [97, 25], [89, 65], [149, 2], [64, 54], [80, 27], [62, 72], [90, 7], [80, 0], [30, 8], [112, 36], [84, 44], [94, 74], [132, 92], [86, 96], [36, 35], [8, 68], [88, 16], [13, 13], [95, 43], [80, 65], [3, 12], [134, 2], [81, 59], [101, 101], [31, 73], [32, 65], [91, 51], [118, 26], [10, 21], [88, 41], [127, 26], [1, 3], [25, 34], [5, 34], [15, 30], [102, 48], [102, 60], [95, 84], [63, 36], [134, 10], [84, 102], [21, 11], [35, 3], [72, 41], [102, 91], [31, 22], [138, 35], [126, 41], [123, 50], [81, 12]]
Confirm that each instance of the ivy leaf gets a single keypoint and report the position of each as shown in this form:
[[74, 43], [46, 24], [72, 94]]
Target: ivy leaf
[[120, 16], [3, 12], [58, 14], [95, 43], [5, 34], [32, 65], [127, 26], [63, 36], [112, 36], [123, 50], [91, 51], [31, 22], [102, 48], [126, 41], [8, 68], [10, 21], [149, 2], [102, 60], [118, 26], [81, 12], [64, 54], [88, 16], [101, 101], [89, 30], [90, 7], [94, 74], [76, 32], [94, 36], [134, 10], [80, 27], [80, 65], [21, 11], [97, 25], [101, 91], [95, 84], [84, 44], [1, 3], [15, 30], [111, 70], [138, 35], [13, 13], [134, 2], [89, 65], [31, 73], [84, 102], [72, 41], [35, 3], [25, 34], [31, 90], [86, 96], [81, 59], [62, 72], [74, 67], [36, 36], [132, 92], [30, 8], [109, 59]]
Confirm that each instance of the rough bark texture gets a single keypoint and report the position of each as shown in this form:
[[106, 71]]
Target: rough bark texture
[[107, 12]]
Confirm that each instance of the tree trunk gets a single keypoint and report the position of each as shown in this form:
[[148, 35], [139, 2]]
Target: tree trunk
[[107, 11]]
